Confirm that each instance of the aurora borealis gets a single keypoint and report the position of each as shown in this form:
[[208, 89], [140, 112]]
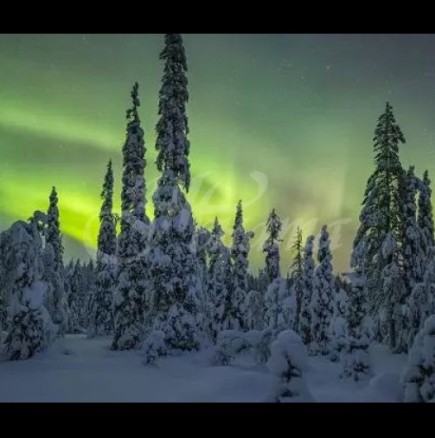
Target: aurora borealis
[[282, 121]]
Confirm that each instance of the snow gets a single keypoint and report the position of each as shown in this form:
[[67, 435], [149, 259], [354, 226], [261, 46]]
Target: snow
[[85, 370], [387, 385], [77, 369], [419, 375], [34, 296], [288, 361], [325, 384], [287, 348]]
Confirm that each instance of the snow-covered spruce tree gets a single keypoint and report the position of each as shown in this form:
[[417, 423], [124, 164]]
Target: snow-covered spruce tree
[[395, 313], [261, 282], [131, 301], [337, 326], [425, 213], [419, 308], [213, 248], [221, 284], [231, 343], [52, 234], [86, 296], [105, 282], [307, 291], [72, 286], [414, 257], [69, 267], [289, 304], [380, 214], [252, 281], [29, 326], [172, 144], [236, 313], [322, 297], [51, 277], [256, 310], [3, 303], [419, 376], [413, 254], [201, 238], [86, 315], [175, 271], [3, 314], [218, 281], [297, 277], [176, 283], [56, 302], [421, 302], [83, 291], [78, 286], [354, 354], [271, 246], [280, 306], [288, 361], [429, 282]]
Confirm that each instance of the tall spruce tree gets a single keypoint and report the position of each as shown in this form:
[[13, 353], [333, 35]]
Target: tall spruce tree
[[90, 274], [201, 238], [56, 302], [172, 128], [175, 272], [29, 326], [337, 327], [239, 255], [218, 281], [176, 282], [72, 290], [307, 291], [323, 295], [355, 357], [82, 296], [131, 300], [87, 315], [221, 317], [380, 214], [271, 246], [53, 234], [280, 306], [425, 213], [256, 310], [420, 303], [394, 316], [297, 277], [105, 283], [213, 247], [413, 256]]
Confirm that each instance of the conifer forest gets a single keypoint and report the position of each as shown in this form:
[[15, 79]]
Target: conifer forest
[[169, 308]]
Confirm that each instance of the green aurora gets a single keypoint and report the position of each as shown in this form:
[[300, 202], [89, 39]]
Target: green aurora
[[282, 121]]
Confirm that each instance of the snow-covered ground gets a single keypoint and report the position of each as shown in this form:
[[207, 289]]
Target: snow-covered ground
[[77, 369]]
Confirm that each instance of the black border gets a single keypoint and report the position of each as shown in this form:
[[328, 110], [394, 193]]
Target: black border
[[223, 17]]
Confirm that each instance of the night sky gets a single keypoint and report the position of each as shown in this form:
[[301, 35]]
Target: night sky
[[282, 121]]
